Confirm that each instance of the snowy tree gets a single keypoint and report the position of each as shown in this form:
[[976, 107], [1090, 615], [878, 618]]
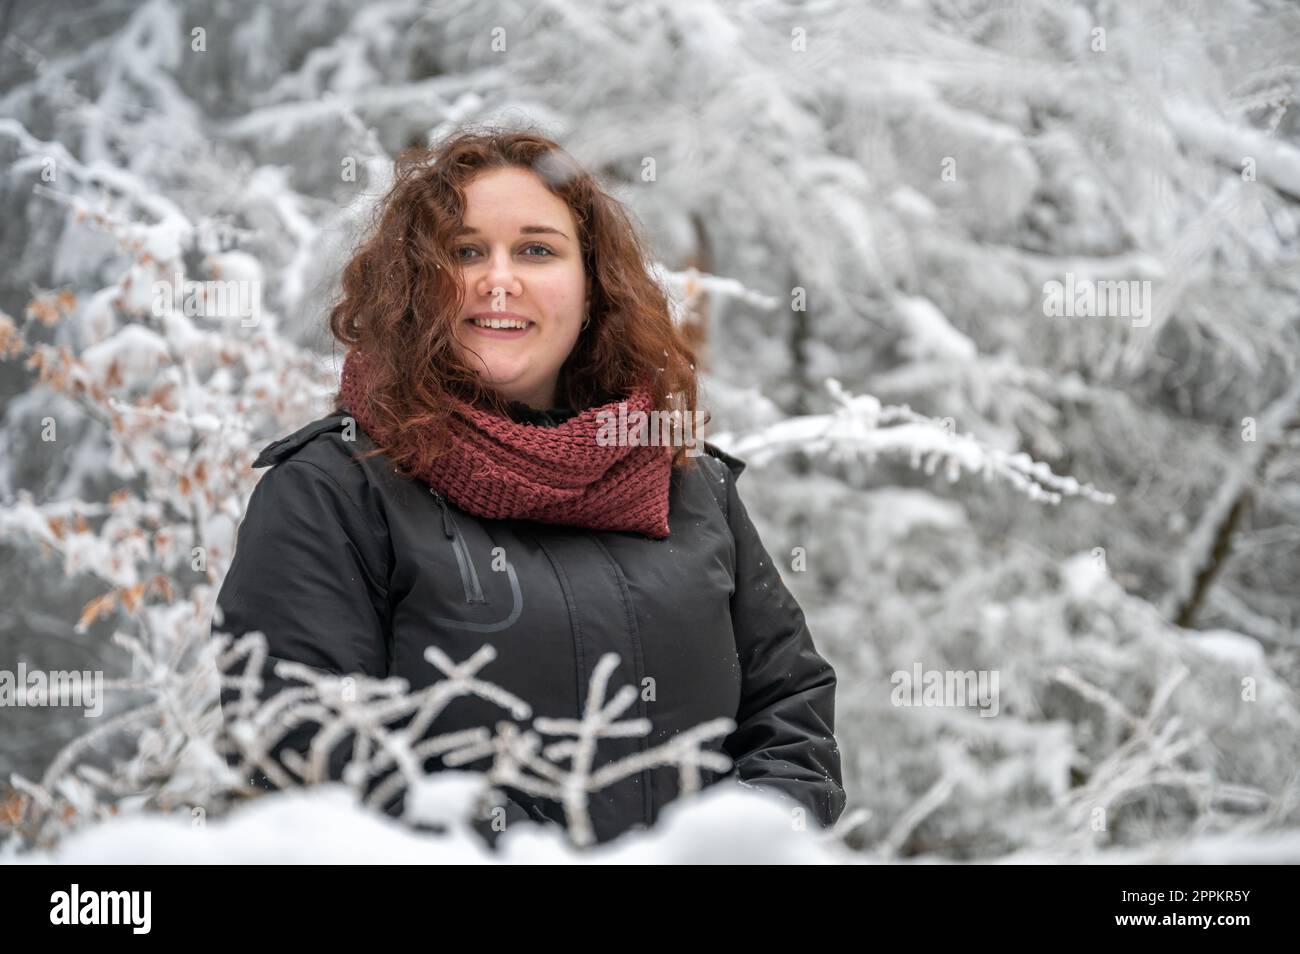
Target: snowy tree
[[1049, 244]]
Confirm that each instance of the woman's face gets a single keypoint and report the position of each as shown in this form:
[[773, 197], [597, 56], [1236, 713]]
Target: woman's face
[[520, 260]]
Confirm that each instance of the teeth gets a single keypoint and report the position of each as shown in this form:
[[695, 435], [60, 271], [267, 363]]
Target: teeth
[[499, 323]]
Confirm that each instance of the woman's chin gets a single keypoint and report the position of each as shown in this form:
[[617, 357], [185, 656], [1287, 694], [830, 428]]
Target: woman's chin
[[505, 383]]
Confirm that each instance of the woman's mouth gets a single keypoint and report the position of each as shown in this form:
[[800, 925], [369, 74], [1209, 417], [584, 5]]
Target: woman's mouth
[[500, 327]]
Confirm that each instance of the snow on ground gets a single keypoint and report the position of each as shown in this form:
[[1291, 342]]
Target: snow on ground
[[324, 825]]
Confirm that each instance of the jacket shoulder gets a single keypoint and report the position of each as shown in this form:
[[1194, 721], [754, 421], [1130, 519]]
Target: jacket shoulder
[[333, 444], [734, 464], [332, 447], [287, 447], [714, 464]]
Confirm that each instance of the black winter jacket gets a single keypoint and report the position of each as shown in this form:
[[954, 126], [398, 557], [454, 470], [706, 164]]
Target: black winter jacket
[[349, 568]]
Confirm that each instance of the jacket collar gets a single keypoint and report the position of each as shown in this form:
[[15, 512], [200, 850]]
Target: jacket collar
[[734, 463], [276, 451], [525, 414]]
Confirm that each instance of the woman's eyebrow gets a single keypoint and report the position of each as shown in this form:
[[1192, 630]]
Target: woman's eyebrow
[[523, 230]]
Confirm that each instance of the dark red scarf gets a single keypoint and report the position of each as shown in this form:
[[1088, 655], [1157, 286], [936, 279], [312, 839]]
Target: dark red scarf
[[500, 468]]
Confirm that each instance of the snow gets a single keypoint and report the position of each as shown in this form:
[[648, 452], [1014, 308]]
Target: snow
[[1084, 576], [1276, 162], [931, 335], [1235, 649], [97, 320], [135, 352], [897, 512], [723, 825], [1118, 487]]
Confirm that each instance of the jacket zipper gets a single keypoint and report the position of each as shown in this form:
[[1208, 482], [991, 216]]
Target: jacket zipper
[[468, 576]]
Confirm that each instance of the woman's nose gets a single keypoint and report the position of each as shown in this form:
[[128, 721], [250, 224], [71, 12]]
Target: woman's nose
[[500, 273]]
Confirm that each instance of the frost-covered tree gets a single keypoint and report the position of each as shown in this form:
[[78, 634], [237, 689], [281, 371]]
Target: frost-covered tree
[[1049, 244]]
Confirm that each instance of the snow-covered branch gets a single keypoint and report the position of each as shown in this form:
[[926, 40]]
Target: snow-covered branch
[[861, 425]]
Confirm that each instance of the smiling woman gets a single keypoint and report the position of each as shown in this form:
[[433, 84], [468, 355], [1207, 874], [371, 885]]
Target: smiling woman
[[488, 228], [499, 310], [525, 300]]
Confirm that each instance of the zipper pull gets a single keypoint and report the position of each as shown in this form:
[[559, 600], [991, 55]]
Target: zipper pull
[[446, 514]]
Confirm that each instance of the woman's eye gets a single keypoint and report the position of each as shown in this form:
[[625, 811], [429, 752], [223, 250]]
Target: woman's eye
[[535, 245]]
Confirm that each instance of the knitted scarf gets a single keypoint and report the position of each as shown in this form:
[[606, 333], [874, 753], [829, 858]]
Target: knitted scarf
[[500, 468]]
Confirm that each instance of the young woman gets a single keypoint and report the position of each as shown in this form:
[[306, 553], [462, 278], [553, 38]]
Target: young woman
[[466, 491]]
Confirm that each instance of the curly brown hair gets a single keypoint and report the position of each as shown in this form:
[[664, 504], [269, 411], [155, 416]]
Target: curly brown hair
[[402, 293]]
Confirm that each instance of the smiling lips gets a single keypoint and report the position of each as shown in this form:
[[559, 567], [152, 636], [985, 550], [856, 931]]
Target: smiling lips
[[505, 325]]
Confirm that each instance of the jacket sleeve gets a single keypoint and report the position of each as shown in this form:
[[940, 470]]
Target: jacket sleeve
[[784, 739], [310, 572]]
